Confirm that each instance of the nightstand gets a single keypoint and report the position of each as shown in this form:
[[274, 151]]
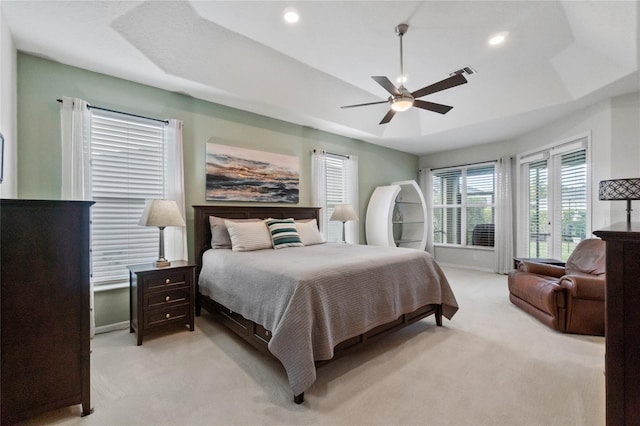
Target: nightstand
[[161, 297]]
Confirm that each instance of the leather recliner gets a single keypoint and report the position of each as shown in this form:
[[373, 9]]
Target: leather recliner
[[569, 299]]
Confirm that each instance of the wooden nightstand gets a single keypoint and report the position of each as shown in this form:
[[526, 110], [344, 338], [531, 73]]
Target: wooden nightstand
[[161, 297]]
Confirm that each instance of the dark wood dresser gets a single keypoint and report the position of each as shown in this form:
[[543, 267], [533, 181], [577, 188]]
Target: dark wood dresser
[[161, 297], [44, 281], [622, 324]]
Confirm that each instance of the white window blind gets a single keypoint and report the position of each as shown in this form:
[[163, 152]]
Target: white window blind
[[557, 206], [336, 175], [539, 231], [464, 205], [128, 167]]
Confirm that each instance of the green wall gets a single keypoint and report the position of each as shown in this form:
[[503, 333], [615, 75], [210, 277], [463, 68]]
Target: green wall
[[41, 82]]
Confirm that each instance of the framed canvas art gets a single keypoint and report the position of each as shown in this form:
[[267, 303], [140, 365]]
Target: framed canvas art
[[240, 174]]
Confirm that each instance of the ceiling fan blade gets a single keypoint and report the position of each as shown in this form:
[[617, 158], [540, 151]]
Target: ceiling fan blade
[[439, 108], [387, 84], [447, 83], [387, 118], [368, 103]]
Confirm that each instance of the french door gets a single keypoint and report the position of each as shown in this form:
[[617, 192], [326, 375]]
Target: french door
[[554, 205]]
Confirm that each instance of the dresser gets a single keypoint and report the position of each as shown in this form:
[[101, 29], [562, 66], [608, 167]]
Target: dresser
[[622, 324], [161, 297], [45, 307]]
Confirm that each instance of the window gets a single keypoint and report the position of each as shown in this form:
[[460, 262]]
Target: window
[[336, 174], [556, 200], [464, 205], [335, 181], [127, 168]]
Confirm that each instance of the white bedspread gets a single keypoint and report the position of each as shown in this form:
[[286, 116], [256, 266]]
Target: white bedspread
[[312, 298]]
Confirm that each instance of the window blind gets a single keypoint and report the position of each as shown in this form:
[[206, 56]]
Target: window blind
[[127, 168], [538, 209], [336, 175], [573, 196], [557, 207], [464, 205]]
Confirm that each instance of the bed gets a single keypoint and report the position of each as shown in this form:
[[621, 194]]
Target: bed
[[308, 305]]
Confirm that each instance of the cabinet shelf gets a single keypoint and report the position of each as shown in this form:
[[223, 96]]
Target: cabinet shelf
[[397, 215]]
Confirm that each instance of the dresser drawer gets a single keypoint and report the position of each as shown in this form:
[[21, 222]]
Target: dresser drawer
[[167, 298], [166, 280], [158, 317]]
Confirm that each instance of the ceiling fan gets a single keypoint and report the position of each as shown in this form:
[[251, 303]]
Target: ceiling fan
[[401, 99]]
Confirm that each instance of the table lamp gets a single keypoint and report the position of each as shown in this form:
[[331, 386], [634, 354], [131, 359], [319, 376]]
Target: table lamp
[[161, 213], [621, 189], [343, 213]]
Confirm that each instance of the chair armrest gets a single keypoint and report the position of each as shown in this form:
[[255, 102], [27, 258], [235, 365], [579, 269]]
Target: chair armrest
[[541, 269], [584, 287]]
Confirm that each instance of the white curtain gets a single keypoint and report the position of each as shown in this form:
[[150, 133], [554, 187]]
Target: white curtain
[[175, 237], [75, 136], [425, 179], [352, 228], [504, 217], [319, 188]]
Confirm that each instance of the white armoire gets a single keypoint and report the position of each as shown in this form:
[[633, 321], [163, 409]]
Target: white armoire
[[397, 216]]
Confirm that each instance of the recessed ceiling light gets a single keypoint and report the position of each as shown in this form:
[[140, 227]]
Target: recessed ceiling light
[[498, 38], [291, 15]]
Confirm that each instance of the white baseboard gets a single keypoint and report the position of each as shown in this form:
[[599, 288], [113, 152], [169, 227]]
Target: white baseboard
[[112, 327], [456, 265]]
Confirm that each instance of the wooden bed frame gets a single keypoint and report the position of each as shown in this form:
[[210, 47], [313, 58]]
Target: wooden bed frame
[[254, 333]]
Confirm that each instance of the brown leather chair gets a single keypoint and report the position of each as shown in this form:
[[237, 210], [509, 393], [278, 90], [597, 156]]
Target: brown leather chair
[[568, 299]]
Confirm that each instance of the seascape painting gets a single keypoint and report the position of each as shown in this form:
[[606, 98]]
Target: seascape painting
[[240, 174]]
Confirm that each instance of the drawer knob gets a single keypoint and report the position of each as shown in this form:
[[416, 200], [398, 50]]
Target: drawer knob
[[167, 316], [167, 281], [166, 299]]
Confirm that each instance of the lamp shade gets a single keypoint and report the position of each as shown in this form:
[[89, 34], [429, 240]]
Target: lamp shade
[[620, 189], [343, 213], [161, 213]]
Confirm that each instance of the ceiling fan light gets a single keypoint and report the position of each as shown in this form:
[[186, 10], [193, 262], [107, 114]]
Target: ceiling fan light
[[402, 103]]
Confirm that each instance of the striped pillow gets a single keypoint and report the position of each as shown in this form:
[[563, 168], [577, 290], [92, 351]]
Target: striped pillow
[[283, 233]]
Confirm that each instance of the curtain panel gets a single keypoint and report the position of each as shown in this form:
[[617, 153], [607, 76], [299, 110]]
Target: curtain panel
[[504, 217], [75, 136]]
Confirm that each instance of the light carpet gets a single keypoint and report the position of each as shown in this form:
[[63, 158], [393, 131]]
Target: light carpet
[[492, 364]]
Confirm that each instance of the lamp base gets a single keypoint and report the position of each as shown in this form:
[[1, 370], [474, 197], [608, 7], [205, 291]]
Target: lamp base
[[162, 263]]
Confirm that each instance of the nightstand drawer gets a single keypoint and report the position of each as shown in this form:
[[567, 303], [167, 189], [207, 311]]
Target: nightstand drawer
[[168, 279], [168, 298], [158, 317]]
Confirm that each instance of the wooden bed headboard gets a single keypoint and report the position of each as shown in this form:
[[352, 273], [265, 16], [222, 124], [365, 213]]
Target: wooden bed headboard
[[202, 229]]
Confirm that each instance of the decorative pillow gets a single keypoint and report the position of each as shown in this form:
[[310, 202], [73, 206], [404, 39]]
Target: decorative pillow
[[309, 232], [283, 233], [219, 234], [248, 236]]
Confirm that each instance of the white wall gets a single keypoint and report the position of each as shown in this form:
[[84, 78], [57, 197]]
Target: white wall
[[8, 107], [614, 126]]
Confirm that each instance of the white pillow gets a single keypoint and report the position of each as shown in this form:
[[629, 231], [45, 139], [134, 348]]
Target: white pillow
[[248, 236], [309, 232], [219, 235]]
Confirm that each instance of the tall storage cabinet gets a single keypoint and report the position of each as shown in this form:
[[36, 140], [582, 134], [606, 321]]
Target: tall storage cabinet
[[397, 216], [45, 307]]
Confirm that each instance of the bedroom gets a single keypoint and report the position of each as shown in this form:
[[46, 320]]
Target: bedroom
[[30, 85]]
